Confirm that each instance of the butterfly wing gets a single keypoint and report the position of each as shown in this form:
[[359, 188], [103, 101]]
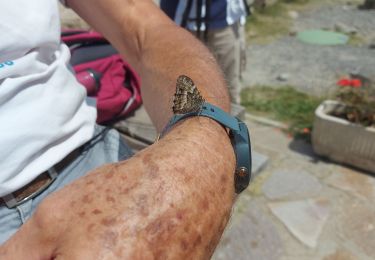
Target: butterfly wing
[[187, 97]]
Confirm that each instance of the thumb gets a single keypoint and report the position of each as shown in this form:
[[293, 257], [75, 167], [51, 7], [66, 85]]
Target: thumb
[[27, 243]]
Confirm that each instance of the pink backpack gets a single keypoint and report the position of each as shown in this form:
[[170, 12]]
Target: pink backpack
[[106, 76]]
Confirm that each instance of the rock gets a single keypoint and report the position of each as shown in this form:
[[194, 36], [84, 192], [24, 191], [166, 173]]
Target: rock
[[259, 162], [346, 7], [283, 77], [305, 219], [293, 14], [360, 185], [292, 32], [358, 226], [340, 255], [343, 28], [291, 185], [254, 236]]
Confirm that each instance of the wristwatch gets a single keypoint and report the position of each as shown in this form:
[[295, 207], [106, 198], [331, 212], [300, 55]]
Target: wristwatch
[[239, 136]]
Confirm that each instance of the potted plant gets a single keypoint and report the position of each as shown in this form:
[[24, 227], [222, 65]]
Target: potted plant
[[344, 129]]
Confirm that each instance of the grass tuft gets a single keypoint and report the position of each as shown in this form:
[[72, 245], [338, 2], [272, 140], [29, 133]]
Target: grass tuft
[[284, 104], [273, 21]]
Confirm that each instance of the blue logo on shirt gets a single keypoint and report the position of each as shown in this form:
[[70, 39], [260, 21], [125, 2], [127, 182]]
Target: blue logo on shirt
[[6, 64]]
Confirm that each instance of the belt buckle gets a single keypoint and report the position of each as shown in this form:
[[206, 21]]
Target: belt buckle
[[11, 201]]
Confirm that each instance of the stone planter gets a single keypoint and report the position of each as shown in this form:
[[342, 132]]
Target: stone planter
[[341, 140]]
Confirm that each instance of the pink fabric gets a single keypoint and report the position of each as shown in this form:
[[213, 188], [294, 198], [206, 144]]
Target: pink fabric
[[112, 96], [115, 99]]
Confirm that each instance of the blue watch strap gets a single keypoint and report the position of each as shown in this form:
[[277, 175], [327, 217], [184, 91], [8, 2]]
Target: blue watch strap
[[239, 136], [210, 111]]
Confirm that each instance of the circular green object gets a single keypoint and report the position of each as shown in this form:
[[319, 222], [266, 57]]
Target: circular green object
[[321, 37]]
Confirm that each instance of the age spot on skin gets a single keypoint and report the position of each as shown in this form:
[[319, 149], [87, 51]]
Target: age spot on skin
[[205, 205], [197, 241], [82, 214], [146, 159], [152, 167], [180, 170], [110, 175], [87, 199], [210, 225], [180, 215], [184, 245], [224, 178], [187, 228], [128, 189], [108, 221], [96, 211], [90, 227], [110, 199]]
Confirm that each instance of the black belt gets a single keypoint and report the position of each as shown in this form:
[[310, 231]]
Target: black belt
[[39, 184]]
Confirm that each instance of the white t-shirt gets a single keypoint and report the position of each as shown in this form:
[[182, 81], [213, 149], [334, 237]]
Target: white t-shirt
[[43, 110]]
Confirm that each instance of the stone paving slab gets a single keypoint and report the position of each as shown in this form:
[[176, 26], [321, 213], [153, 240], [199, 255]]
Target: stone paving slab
[[305, 219], [253, 236], [291, 185], [319, 210]]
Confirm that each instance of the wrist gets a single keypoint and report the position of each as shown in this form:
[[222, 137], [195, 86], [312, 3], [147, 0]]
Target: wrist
[[237, 132]]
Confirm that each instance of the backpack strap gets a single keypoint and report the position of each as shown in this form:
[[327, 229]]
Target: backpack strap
[[199, 17], [71, 37], [207, 19], [186, 14]]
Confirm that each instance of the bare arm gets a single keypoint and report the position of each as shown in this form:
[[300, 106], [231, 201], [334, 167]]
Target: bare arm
[[173, 199], [158, 49], [166, 203]]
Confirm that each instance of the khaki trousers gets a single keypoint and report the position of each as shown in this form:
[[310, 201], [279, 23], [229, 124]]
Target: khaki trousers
[[228, 46]]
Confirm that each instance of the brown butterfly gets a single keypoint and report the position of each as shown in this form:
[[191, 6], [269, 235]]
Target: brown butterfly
[[187, 97]]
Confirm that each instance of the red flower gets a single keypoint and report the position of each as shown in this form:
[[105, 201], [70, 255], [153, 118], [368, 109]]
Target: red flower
[[306, 130], [356, 83], [344, 82]]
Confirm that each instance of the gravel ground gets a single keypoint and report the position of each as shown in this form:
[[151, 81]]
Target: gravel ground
[[347, 16], [311, 68]]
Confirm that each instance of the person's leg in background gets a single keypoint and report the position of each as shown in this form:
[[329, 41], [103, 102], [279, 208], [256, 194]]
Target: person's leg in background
[[228, 46]]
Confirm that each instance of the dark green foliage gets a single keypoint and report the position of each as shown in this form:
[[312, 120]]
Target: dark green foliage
[[359, 104]]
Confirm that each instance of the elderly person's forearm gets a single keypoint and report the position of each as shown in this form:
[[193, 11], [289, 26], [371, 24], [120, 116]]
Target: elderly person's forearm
[[171, 201]]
